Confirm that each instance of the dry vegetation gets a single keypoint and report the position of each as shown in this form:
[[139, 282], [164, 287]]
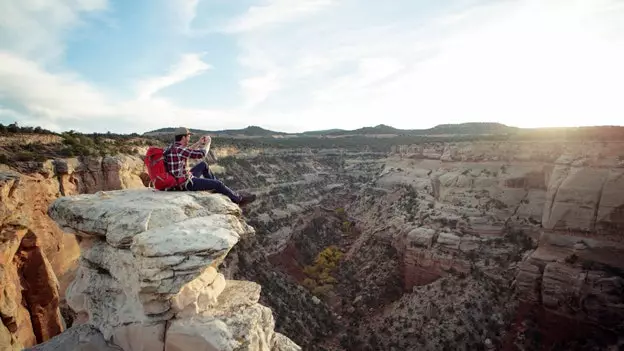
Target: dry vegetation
[[25, 144]]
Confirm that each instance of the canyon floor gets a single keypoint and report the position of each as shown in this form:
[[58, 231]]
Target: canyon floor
[[477, 245]]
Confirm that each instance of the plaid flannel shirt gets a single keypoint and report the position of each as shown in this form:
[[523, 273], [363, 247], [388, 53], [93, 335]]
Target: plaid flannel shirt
[[176, 159]]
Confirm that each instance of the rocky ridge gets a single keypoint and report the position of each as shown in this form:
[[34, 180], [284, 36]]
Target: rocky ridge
[[148, 274]]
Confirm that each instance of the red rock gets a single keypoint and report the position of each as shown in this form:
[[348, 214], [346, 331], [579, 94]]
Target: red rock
[[39, 288], [29, 297]]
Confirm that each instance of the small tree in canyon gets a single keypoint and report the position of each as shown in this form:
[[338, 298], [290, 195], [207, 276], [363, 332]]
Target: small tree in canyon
[[319, 276], [347, 225]]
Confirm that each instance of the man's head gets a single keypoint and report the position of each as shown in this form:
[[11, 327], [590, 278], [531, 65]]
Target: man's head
[[182, 135]]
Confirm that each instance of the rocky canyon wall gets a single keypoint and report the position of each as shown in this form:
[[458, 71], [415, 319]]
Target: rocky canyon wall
[[148, 275], [548, 215], [568, 197], [543, 220], [39, 259]]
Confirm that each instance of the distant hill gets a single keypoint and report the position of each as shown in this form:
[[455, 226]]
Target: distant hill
[[162, 131], [378, 129], [324, 132], [471, 128], [442, 130], [251, 131], [475, 128]]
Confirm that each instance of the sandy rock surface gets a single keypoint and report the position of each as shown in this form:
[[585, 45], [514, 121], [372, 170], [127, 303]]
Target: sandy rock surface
[[148, 274]]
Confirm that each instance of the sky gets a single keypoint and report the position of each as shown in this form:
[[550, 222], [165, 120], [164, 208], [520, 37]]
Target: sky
[[298, 65]]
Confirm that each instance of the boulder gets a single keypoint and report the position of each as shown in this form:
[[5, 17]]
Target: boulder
[[235, 322], [119, 216], [148, 275], [422, 237], [83, 337]]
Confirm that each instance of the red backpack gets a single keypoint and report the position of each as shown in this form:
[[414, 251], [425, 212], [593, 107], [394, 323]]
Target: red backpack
[[155, 164]]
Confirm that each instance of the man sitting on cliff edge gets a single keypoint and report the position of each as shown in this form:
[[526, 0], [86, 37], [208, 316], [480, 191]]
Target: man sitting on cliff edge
[[199, 177]]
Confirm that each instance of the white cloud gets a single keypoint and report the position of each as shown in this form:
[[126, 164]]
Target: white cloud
[[527, 63], [185, 12], [369, 74], [35, 28], [274, 12], [35, 92], [543, 64], [64, 95], [52, 100], [339, 64], [189, 66], [257, 89]]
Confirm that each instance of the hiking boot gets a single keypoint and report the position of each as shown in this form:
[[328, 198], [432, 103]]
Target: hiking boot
[[247, 199], [211, 158]]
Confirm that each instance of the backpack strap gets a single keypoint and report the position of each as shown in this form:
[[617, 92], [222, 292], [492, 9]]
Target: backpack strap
[[166, 153]]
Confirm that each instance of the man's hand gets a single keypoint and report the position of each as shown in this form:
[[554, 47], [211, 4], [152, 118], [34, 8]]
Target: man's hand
[[205, 142]]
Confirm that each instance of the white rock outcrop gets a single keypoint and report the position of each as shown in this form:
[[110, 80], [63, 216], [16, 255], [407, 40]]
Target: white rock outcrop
[[148, 275]]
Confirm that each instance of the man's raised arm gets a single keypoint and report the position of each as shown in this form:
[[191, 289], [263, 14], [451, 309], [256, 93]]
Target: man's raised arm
[[202, 143], [199, 149]]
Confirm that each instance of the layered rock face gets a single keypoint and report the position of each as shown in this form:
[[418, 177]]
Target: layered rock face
[[37, 256], [548, 214], [576, 279], [92, 174], [24, 202], [148, 274], [568, 197], [87, 174], [37, 259]]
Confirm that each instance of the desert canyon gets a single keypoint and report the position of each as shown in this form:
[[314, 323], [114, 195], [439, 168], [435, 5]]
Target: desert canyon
[[454, 245]]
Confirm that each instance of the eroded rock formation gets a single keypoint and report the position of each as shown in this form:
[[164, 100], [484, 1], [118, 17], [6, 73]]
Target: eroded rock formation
[[546, 216], [38, 258], [28, 295], [148, 274], [535, 227]]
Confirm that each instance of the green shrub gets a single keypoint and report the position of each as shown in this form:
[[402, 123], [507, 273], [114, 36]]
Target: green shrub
[[24, 156], [340, 212], [319, 275], [347, 227]]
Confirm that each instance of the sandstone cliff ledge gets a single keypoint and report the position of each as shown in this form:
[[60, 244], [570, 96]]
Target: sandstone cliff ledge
[[148, 275]]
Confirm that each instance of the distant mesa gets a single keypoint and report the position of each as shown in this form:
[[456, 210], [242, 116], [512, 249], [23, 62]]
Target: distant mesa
[[474, 128]]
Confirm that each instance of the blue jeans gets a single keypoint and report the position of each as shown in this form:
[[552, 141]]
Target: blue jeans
[[209, 182]]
